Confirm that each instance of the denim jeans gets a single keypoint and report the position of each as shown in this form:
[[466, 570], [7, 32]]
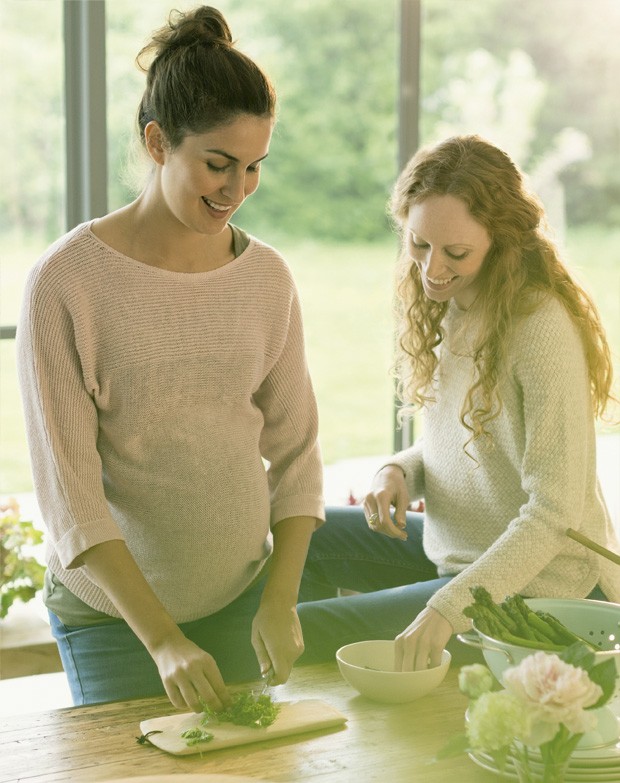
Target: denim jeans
[[108, 662], [393, 579]]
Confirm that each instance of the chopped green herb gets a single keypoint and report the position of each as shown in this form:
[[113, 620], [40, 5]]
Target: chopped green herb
[[246, 710], [143, 739], [196, 735]]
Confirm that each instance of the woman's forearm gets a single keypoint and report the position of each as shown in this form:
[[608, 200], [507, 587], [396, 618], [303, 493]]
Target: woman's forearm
[[291, 538], [112, 566]]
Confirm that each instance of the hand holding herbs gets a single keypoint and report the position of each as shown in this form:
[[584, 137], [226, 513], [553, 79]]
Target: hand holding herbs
[[246, 710], [513, 622]]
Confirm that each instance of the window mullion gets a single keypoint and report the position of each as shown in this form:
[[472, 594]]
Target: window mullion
[[85, 110]]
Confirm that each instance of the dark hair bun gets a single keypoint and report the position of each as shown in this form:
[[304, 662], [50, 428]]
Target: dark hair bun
[[197, 79], [202, 26]]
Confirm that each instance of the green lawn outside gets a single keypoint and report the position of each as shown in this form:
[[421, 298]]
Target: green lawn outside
[[346, 299]]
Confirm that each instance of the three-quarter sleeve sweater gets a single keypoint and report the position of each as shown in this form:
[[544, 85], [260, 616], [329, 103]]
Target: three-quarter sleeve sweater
[[170, 410], [498, 517]]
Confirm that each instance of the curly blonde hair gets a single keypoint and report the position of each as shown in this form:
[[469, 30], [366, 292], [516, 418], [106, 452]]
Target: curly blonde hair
[[522, 265]]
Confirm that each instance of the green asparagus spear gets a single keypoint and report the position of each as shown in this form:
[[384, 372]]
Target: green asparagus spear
[[514, 622], [487, 623], [523, 628], [482, 597], [539, 628], [564, 634]]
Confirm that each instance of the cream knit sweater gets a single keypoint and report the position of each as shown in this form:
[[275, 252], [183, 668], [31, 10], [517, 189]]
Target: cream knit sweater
[[502, 523], [171, 410]]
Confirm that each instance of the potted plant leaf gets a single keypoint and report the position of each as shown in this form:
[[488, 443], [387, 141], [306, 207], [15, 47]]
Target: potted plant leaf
[[21, 574]]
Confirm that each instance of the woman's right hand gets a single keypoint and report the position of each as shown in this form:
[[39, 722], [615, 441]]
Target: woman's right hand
[[190, 675], [388, 488]]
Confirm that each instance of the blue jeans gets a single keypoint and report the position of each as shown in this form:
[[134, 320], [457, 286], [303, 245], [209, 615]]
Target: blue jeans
[[108, 662], [395, 580]]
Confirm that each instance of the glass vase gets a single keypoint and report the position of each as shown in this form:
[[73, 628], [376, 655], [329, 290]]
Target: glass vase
[[549, 773]]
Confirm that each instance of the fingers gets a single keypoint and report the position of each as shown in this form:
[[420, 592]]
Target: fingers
[[279, 661], [277, 640], [192, 679], [421, 644], [412, 655], [388, 489], [380, 521], [264, 661]]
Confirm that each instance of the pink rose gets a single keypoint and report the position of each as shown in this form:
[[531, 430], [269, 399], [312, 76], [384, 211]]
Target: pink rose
[[555, 692]]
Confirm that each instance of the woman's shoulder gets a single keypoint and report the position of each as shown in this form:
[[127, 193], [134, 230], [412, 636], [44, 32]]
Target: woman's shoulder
[[545, 314], [60, 258], [546, 334], [269, 259]]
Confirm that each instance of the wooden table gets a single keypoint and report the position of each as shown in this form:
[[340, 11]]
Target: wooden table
[[380, 743]]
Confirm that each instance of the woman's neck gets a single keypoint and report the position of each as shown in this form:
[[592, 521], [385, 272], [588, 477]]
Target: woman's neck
[[155, 237]]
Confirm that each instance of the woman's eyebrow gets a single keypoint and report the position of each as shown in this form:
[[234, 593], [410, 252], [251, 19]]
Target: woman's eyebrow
[[231, 157], [414, 233]]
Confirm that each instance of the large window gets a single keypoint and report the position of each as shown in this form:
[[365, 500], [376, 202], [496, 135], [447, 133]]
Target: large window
[[32, 192], [537, 78]]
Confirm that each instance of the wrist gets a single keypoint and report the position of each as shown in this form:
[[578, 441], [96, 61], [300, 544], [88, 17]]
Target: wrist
[[393, 467], [283, 595], [165, 636]]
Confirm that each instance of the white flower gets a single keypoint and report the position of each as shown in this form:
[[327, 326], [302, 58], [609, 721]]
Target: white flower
[[495, 719], [555, 692], [474, 680]]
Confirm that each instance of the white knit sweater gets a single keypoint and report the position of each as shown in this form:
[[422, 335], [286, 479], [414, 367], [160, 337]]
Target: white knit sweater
[[155, 401], [501, 523]]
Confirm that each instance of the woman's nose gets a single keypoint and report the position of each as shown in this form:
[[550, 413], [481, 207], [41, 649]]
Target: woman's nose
[[434, 263], [234, 189]]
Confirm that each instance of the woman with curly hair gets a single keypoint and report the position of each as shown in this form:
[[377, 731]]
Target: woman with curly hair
[[505, 353]]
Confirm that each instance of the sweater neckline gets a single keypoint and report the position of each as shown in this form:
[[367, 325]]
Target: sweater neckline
[[158, 271]]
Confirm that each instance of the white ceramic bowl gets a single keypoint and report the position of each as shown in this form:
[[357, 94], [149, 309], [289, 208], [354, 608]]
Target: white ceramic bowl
[[369, 668]]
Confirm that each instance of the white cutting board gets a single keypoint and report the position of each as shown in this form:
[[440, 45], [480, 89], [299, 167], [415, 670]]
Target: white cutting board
[[295, 717]]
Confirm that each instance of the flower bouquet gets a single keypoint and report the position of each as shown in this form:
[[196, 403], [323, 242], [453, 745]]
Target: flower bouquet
[[536, 721]]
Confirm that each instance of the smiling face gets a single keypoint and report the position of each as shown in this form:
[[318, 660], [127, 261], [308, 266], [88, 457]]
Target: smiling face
[[448, 246], [205, 180]]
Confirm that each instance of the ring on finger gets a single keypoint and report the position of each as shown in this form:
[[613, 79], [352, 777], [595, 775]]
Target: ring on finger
[[372, 519]]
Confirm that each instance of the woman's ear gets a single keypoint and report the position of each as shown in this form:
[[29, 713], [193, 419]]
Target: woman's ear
[[155, 142]]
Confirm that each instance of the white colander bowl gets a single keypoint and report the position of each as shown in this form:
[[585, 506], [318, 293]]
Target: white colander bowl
[[596, 621]]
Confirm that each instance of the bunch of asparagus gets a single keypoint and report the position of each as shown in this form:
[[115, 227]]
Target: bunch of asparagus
[[513, 622]]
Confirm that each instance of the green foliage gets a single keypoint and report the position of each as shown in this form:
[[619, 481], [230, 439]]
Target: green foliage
[[197, 735], [21, 575], [496, 66], [32, 103], [572, 47], [333, 156], [246, 710]]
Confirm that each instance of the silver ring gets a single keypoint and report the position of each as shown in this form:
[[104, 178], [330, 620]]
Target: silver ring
[[372, 519]]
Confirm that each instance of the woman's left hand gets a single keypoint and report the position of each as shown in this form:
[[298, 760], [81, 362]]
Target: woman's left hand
[[421, 644], [277, 639]]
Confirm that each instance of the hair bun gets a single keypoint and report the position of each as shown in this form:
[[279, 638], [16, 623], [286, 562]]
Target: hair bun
[[204, 25], [196, 79]]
